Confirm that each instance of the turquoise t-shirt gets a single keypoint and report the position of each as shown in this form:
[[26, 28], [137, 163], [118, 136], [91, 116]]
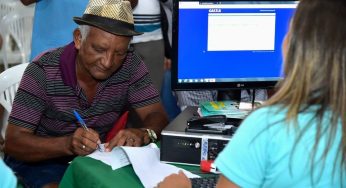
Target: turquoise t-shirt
[[53, 23], [260, 153], [7, 178]]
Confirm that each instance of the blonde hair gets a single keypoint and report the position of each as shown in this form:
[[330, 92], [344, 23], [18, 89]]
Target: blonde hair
[[315, 70]]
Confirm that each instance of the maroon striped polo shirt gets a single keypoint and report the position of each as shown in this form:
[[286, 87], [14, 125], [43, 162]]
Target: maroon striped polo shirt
[[49, 92]]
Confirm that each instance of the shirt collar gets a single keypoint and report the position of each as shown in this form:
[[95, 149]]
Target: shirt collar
[[68, 65]]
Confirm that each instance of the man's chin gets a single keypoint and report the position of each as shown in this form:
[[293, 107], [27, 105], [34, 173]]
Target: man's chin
[[102, 77]]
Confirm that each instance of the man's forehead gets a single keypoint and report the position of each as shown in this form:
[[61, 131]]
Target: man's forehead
[[100, 38], [99, 32]]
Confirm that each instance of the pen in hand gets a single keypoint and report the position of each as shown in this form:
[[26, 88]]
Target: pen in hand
[[80, 120], [83, 124]]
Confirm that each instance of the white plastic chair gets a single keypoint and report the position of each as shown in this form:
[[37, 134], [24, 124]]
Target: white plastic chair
[[9, 82], [7, 6], [18, 25]]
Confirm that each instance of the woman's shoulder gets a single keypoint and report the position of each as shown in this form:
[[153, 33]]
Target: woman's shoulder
[[268, 111]]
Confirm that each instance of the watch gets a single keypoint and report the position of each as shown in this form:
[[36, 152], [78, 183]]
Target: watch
[[152, 135]]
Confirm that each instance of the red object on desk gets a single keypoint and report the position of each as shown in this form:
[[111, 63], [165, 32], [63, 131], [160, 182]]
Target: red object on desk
[[208, 166], [120, 124]]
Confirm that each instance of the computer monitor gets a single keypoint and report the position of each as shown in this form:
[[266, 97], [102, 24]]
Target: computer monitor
[[228, 44]]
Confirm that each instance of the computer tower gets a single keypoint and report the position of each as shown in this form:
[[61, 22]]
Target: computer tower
[[179, 146]]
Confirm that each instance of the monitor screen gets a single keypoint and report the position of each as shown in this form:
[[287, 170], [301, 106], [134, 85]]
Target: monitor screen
[[228, 44]]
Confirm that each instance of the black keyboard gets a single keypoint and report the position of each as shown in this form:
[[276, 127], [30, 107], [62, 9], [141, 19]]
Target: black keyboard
[[204, 182]]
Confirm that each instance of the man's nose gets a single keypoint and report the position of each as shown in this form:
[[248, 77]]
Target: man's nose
[[107, 61]]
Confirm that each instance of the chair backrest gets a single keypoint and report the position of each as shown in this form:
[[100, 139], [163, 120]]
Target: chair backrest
[[9, 82], [7, 6], [18, 25]]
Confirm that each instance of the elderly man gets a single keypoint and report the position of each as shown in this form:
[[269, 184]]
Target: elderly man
[[96, 75]]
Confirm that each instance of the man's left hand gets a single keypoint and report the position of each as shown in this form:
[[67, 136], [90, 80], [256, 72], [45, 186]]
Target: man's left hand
[[128, 137]]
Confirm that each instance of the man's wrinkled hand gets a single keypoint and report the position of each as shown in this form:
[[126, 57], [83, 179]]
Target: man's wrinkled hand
[[84, 142], [128, 137]]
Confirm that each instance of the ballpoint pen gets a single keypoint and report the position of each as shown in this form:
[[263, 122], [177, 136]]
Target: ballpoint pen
[[83, 124], [80, 120]]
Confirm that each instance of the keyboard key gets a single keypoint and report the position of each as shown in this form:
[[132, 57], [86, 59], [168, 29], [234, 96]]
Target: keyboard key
[[204, 182]]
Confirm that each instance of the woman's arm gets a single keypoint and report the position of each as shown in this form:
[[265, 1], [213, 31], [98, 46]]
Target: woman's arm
[[223, 182]]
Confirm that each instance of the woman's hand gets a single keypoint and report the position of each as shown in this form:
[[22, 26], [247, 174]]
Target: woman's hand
[[179, 180]]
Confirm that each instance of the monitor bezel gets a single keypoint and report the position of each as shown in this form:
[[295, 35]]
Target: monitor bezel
[[210, 85]]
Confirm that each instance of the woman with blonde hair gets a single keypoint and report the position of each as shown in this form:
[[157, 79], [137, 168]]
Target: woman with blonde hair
[[298, 139]]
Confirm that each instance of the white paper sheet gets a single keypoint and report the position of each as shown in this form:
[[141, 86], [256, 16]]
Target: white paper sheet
[[116, 158], [145, 162]]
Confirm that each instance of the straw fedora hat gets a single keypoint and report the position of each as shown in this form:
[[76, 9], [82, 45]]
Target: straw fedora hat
[[113, 16]]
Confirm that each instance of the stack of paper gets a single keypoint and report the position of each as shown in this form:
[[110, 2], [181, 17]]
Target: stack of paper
[[143, 159], [228, 108]]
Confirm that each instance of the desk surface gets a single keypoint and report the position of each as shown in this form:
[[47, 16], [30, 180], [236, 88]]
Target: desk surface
[[88, 172]]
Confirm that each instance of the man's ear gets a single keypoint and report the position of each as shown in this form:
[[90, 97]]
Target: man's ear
[[77, 38]]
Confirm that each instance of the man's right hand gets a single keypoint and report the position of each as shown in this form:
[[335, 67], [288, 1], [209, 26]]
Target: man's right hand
[[84, 142], [22, 144]]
